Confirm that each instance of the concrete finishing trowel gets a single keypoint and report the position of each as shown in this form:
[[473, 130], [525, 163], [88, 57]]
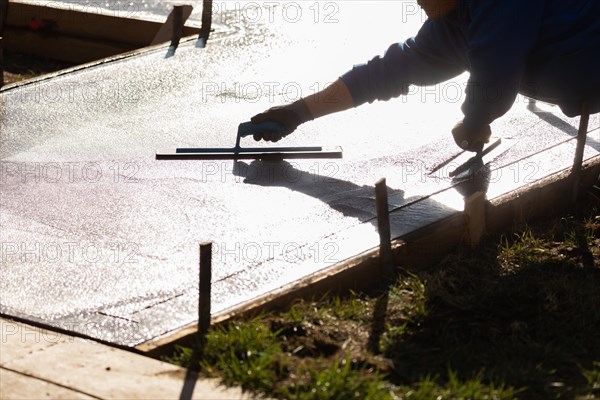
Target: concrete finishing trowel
[[239, 153]]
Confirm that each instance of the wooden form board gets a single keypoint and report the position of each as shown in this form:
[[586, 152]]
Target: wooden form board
[[79, 35], [64, 48]]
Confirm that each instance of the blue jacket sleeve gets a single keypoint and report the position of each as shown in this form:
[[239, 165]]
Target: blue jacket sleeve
[[500, 36], [490, 38], [432, 56]]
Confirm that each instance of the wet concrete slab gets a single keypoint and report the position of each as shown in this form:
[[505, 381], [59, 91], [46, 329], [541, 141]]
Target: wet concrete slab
[[101, 239]]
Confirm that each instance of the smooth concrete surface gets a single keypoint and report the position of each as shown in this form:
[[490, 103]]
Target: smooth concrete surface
[[101, 239], [38, 364]]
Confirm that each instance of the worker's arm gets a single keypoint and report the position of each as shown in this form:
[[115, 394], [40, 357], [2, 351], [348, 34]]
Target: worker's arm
[[335, 97], [425, 59], [437, 53], [501, 36]]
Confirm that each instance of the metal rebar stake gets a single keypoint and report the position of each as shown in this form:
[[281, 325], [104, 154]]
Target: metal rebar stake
[[204, 289], [177, 25], [206, 19]]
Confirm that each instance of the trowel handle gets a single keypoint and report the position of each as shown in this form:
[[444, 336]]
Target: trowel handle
[[249, 128]]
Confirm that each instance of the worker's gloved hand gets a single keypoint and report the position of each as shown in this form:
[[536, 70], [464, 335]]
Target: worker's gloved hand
[[471, 140], [289, 117]]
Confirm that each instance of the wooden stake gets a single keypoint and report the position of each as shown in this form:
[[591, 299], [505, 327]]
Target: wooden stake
[[383, 226], [204, 288], [475, 215]]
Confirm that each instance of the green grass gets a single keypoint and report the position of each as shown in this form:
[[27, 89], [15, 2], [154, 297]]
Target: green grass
[[243, 353], [517, 318]]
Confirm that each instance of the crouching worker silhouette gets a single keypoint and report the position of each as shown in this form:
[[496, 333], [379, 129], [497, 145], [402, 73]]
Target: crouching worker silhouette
[[546, 49]]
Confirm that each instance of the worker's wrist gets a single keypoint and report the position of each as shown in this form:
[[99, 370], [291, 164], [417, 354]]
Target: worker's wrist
[[473, 124], [300, 108]]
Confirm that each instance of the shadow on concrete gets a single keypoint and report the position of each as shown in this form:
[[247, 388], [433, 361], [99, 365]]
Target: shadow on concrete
[[171, 51], [346, 197], [561, 124], [192, 372], [187, 391]]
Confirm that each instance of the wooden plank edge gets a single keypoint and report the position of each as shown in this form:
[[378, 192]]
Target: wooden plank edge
[[69, 48], [64, 48], [91, 23], [76, 68]]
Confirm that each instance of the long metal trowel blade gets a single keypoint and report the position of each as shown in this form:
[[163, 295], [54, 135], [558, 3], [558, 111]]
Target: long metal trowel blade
[[249, 153]]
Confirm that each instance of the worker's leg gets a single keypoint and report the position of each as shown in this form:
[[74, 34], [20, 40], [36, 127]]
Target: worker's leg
[[566, 81]]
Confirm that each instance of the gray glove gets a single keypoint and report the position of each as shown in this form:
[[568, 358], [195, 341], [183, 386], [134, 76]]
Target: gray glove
[[289, 117], [470, 140]]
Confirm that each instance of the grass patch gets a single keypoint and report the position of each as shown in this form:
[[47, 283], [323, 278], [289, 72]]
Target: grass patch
[[517, 318]]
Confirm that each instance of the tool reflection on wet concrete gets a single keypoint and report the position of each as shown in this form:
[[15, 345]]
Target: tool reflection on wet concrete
[[477, 159], [264, 153], [495, 149]]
